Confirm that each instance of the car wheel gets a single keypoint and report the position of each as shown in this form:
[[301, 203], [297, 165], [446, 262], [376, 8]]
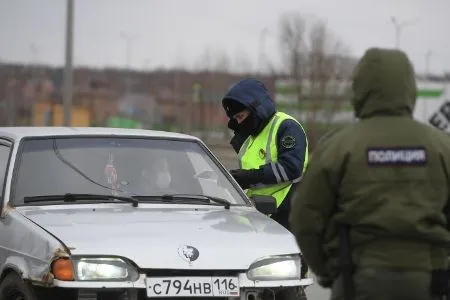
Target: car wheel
[[14, 288]]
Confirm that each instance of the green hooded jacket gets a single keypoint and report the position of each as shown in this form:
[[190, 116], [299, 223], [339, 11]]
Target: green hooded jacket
[[387, 176]]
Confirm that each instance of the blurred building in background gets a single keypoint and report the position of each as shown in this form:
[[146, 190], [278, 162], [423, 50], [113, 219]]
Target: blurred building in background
[[173, 100]]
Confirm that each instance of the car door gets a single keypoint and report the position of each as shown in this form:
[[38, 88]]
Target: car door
[[5, 223], [24, 246]]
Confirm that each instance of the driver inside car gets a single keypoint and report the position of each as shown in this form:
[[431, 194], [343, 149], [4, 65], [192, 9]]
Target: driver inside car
[[156, 177]]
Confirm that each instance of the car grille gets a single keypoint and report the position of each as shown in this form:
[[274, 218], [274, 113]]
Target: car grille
[[194, 273]]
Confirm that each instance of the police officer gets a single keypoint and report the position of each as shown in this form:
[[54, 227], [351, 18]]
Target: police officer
[[272, 146], [383, 183]]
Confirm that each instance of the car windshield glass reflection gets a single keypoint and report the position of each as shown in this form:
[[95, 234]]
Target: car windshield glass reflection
[[119, 167]]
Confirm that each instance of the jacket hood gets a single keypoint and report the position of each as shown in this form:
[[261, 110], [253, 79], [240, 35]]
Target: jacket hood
[[383, 84], [252, 94]]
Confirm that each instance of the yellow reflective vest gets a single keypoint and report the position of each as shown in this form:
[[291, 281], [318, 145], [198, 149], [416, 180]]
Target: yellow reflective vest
[[261, 150]]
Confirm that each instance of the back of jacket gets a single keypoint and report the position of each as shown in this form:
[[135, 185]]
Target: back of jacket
[[387, 176]]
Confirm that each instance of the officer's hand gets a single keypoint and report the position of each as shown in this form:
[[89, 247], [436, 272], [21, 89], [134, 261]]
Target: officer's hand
[[245, 177], [325, 282]]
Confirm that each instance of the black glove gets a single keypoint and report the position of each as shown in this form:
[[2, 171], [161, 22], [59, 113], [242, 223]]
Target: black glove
[[245, 178], [325, 282]]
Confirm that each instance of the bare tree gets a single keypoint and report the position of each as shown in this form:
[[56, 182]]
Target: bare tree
[[327, 58], [242, 62], [205, 61], [316, 60], [293, 47], [213, 60], [221, 62]]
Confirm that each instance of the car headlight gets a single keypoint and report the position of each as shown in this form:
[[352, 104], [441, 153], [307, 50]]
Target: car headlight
[[286, 267], [104, 269]]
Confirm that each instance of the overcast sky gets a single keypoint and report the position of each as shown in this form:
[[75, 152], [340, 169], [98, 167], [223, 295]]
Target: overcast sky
[[177, 32]]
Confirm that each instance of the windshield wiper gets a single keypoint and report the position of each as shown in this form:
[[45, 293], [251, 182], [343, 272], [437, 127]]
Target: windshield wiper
[[202, 198], [74, 197]]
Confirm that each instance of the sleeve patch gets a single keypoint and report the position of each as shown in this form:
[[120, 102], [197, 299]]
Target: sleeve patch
[[397, 156], [288, 142]]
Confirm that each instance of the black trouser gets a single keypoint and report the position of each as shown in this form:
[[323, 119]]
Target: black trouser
[[282, 218], [282, 215]]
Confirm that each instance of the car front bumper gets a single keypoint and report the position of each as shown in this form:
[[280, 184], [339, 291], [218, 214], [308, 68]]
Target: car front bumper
[[244, 282]]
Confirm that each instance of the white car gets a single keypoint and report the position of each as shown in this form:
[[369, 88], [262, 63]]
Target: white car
[[134, 214]]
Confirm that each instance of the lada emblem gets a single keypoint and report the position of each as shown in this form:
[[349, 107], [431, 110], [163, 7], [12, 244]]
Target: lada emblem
[[188, 253]]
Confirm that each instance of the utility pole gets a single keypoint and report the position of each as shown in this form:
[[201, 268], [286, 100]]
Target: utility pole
[[33, 63], [146, 65], [398, 28], [128, 44], [34, 52], [11, 102], [196, 106], [128, 52], [176, 94], [68, 70], [262, 38], [427, 62]]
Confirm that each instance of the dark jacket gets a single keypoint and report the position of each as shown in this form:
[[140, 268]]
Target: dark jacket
[[386, 176], [253, 94]]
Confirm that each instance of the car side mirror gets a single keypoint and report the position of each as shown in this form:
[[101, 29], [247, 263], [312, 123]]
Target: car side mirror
[[265, 204]]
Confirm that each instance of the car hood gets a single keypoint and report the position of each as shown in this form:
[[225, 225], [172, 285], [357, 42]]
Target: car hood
[[155, 236]]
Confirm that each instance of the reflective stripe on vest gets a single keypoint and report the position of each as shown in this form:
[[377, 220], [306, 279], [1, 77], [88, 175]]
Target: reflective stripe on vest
[[262, 149]]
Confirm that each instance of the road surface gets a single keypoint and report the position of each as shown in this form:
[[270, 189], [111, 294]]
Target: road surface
[[317, 293]]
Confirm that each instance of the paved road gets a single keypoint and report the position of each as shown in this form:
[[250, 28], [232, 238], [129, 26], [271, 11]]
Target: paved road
[[317, 293]]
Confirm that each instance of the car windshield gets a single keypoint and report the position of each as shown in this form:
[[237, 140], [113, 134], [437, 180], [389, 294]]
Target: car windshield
[[119, 167]]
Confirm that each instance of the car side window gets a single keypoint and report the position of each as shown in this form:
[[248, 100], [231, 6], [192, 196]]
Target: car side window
[[4, 156]]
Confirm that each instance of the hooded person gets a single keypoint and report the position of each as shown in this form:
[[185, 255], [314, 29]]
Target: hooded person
[[379, 188], [272, 146]]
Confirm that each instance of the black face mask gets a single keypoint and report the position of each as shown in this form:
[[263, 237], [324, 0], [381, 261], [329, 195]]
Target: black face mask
[[248, 126], [233, 124]]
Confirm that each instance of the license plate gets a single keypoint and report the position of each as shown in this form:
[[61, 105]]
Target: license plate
[[192, 286]]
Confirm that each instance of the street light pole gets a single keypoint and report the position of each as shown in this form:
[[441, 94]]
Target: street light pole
[[34, 52], [68, 70], [427, 62], [128, 44], [128, 48], [398, 28], [262, 38], [33, 62]]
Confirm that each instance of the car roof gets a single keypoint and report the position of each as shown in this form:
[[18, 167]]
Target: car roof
[[18, 133]]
